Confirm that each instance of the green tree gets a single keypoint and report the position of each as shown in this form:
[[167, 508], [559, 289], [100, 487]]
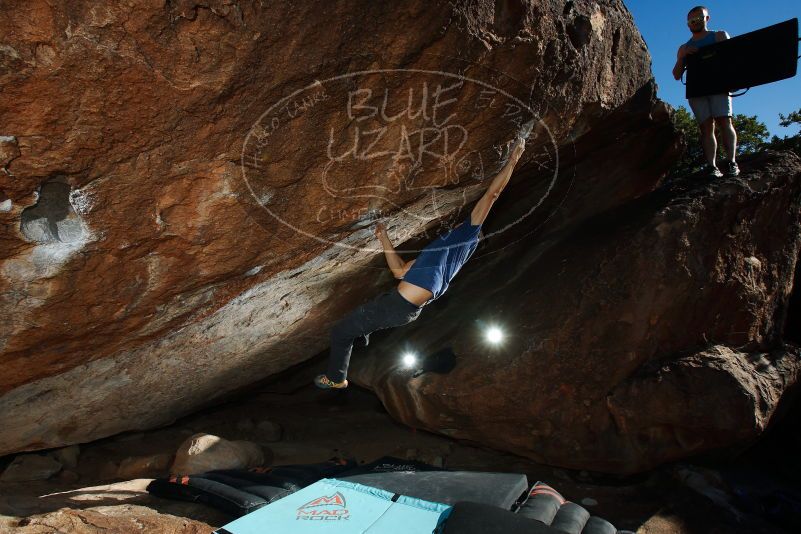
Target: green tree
[[693, 157], [752, 136], [793, 118], [788, 143]]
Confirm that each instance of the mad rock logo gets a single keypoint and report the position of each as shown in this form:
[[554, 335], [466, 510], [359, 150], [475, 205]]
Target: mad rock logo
[[325, 508]]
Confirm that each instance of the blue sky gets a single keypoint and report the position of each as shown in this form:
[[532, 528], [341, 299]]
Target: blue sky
[[663, 25]]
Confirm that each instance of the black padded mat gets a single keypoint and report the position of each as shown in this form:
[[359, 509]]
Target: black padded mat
[[748, 60], [449, 487]]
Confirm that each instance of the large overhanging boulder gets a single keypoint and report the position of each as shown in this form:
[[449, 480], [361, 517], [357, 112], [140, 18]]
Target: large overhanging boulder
[[180, 206]]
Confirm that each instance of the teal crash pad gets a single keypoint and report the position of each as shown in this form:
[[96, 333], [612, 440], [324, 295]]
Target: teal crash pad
[[337, 507]]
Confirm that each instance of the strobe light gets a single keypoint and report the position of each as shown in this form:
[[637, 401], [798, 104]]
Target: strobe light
[[494, 335], [409, 360]]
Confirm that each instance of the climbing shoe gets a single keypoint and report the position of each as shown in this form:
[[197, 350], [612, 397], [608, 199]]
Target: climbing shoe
[[712, 171], [323, 382]]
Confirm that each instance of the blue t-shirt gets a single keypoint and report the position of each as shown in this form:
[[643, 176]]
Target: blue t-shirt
[[439, 262], [707, 40]]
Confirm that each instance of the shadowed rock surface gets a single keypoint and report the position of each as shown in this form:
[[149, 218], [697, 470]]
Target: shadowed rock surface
[[651, 332]]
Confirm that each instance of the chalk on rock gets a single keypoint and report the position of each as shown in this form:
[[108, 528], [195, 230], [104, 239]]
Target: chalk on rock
[[525, 129], [52, 218]]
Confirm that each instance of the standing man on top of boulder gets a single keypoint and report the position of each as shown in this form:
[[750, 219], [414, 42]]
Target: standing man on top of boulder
[[712, 109]]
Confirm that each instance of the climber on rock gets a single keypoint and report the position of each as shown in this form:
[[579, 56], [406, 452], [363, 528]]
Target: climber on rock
[[423, 279]]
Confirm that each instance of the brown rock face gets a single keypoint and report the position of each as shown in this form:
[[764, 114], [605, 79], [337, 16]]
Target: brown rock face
[[649, 332], [186, 190]]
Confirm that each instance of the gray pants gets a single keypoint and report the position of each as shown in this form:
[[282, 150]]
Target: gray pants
[[386, 310]]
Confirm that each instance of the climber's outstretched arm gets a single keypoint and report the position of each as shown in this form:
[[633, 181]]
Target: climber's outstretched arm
[[482, 207], [394, 261]]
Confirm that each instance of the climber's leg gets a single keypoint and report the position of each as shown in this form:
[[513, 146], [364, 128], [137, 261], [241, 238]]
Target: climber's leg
[[387, 310]]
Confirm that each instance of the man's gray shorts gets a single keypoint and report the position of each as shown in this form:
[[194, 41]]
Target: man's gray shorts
[[710, 106]]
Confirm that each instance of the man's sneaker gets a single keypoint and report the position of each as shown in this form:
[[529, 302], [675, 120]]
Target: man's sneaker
[[732, 169], [712, 171], [323, 382]]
